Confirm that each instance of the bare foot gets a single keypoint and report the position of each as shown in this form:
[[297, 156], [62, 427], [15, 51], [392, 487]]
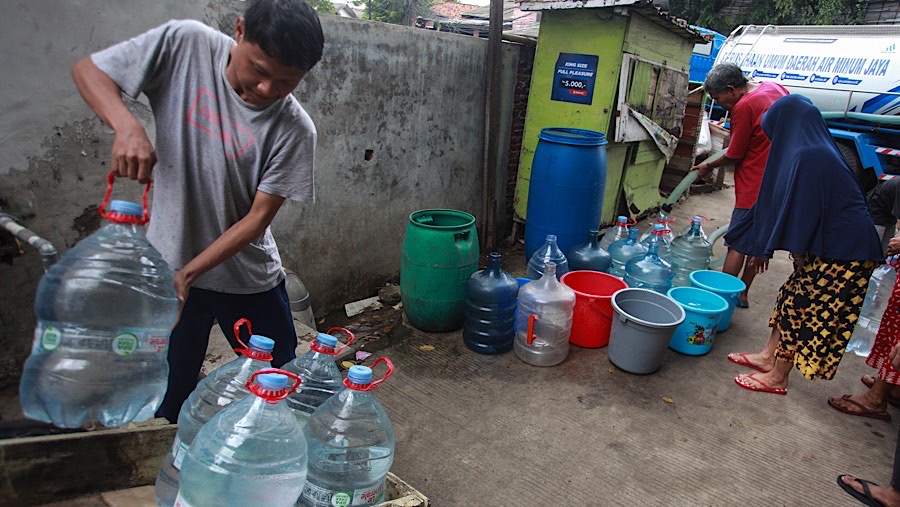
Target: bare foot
[[759, 362], [764, 381], [890, 497]]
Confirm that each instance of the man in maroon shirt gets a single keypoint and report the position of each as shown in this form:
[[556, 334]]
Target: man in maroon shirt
[[747, 150]]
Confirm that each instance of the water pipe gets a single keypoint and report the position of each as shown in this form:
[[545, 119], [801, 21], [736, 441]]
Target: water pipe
[[685, 183], [49, 254], [717, 262]]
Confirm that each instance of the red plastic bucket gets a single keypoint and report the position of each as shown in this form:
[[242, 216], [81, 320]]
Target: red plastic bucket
[[592, 318]]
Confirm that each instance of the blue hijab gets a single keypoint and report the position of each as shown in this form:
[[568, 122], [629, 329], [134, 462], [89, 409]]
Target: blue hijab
[[809, 199]]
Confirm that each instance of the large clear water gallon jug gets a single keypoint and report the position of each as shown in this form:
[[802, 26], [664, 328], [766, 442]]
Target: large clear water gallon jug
[[623, 251], [666, 223], [223, 386], [104, 313], [649, 271], [321, 376], [490, 312], [544, 321], [878, 293], [351, 445], [690, 252], [617, 232], [548, 252], [589, 255], [252, 453], [664, 240]]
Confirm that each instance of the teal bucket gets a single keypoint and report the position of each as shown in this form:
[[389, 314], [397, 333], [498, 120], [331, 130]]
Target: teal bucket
[[723, 284], [702, 311]]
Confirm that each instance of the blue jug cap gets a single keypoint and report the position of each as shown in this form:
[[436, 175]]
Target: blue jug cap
[[261, 342], [326, 340], [360, 374], [622, 218], [658, 226], [126, 208], [273, 381]]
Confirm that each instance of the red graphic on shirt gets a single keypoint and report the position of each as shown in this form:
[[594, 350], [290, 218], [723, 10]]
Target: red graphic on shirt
[[204, 114]]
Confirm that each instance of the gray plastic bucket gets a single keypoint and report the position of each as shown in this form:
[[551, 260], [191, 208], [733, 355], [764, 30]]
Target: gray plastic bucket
[[644, 323]]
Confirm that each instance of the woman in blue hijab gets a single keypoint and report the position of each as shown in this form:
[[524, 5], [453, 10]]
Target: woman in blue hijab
[[811, 205]]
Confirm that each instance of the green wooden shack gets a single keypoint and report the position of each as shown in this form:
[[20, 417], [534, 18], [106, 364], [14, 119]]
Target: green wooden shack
[[615, 66]]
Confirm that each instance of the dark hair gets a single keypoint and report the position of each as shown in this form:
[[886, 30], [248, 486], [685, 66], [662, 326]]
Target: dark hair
[[722, 76], [287, 30]]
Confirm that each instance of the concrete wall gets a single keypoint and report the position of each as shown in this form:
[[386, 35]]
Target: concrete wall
[[400, 114]]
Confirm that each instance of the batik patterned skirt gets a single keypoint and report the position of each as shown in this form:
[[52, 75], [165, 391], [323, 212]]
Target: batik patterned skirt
[[816, 311]]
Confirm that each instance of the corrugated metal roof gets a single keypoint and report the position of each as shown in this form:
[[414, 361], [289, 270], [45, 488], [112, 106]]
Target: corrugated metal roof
[[643, 8]]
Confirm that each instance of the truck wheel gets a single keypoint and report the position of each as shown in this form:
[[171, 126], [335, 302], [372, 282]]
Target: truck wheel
[[866, 177]]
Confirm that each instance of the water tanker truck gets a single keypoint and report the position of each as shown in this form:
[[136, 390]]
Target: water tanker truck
[[851, 73]]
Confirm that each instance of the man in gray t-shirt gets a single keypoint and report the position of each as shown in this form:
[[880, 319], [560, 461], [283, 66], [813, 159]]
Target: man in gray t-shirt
[[232, 143]]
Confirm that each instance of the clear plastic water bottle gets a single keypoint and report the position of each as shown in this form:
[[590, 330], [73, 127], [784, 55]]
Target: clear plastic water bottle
[[650, 271], [223, 386], [617, 232], [544, 321], [664, 240], [663, 220], [351, 445], [104, 313], [321, 376], [252, 453], [490, 312], [690, 252], [878, 293], [623, 251], [549, 252], [589, 256]]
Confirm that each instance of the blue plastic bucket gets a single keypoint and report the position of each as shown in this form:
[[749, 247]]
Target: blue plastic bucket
[[565, 192], [702, 310], [723, 284]]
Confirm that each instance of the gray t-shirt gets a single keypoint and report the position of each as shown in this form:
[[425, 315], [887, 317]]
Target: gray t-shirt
[[215, 150]]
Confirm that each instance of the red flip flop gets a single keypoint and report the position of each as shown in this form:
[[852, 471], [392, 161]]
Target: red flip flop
[[861, 410], [742, 360], [763, 387]]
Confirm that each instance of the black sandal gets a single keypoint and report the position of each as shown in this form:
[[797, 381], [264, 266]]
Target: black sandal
[[866, 496]]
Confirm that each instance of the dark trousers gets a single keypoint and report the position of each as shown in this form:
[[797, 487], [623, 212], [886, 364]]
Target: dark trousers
[[269, 314], [895, 479]]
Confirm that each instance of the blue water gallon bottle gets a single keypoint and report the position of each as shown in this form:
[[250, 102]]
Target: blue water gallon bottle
[[223, 386], [104, 313], [544, 321], [490, 316], [549, 252], [649, 271], [623, 251], [566, 187], [589, 256], [663, 238], [690, 252], [321, 376], [351, 445], [617, 232], [252, 453]]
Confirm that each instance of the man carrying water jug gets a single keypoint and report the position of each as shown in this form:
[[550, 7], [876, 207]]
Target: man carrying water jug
[[748, 148], [232, 143]]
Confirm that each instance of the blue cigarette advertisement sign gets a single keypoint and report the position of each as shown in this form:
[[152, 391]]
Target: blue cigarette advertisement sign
[[574, 78]]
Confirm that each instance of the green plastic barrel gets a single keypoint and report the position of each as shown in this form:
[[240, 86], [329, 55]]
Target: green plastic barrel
[[439, 254]]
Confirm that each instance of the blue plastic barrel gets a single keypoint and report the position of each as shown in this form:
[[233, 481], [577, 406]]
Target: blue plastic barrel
[[565, 195]]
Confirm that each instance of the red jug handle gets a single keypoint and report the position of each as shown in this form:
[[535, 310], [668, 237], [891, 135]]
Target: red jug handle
[[237, 334], [531, 319], [110, 178], [272, 397], [374, 384], [345, 331]]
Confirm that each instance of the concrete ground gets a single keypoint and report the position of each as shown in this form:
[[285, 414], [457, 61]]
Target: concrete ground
[[477, 430], [474, 429]]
